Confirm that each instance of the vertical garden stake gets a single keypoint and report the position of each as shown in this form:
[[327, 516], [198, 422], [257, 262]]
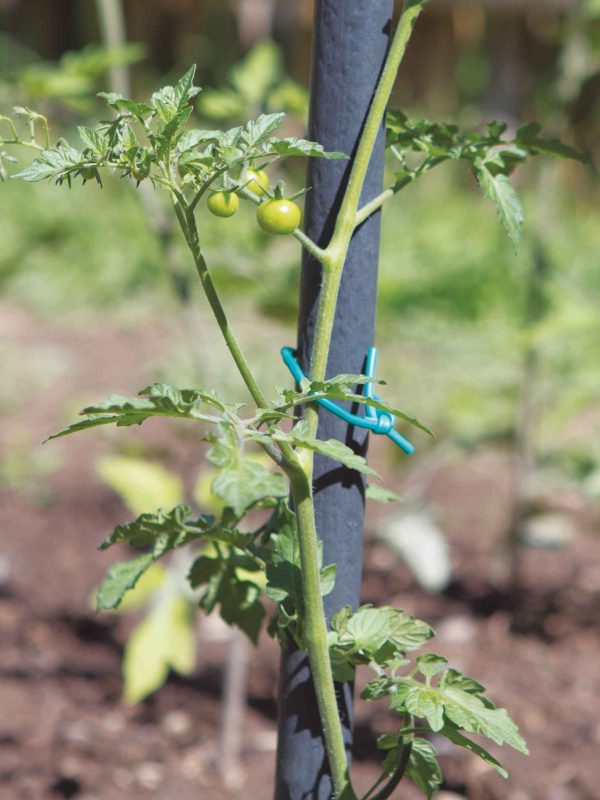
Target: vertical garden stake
[[350, 41]]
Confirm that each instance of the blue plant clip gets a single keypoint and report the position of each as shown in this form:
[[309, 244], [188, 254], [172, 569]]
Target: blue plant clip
[[375, 420]]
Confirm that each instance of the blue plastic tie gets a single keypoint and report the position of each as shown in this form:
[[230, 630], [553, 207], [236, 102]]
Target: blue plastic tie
[[375, 420]]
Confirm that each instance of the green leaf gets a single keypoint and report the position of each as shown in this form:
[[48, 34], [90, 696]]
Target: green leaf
[[452, 677], [167, 529], [239, 600], [457, 738], [152, 580], [302, 147], [381, 495], [158, 400], [122, 105], [58, 163], [332, 448], [499, 189], [422, 701], [142, 485], [243, 485], [377, 634], [164, 640], [429, 665], [257, 72], [170, 101], [94, 140], [528, 137], [119, 579], [470, 713], [423, 767]]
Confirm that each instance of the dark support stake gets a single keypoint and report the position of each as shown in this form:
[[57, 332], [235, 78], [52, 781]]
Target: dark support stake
[[350, 41]]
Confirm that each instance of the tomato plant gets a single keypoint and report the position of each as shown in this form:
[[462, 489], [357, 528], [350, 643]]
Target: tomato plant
[[235, 568]]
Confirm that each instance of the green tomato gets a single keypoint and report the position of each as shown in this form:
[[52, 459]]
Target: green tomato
[[223, 204], [279, 216], [259, 181], [88, 173], [140, 172]]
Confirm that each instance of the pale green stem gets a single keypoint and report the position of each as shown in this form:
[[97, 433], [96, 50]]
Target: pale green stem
[[372, 206], [315, 634]]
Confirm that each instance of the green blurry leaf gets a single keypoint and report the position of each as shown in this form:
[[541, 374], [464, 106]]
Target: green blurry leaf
[[259, 70], [57, 163], [499, 189], [301, 147], [429, 665], [119, 579], [457, 738], [381, 495], [143, 486], [423, 767], [246, 483], [146, 586], [164, 640], [528, 137]]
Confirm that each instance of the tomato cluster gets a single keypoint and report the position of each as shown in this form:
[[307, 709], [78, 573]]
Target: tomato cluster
[[276, 215]]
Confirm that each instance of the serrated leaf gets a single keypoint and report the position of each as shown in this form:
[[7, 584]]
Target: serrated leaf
[[119, 579], [423, 767], [302, 147], [429, 664], [124, 105], [378, 634], [96, 141], [421, 701], [170, 101], [470, 713], [169, 529], [57, 163], [528, 137], [452, 677], [157, 400], [332, 448], [457, 738], [164, 640], [499, 189], [147, 585], [381, 495]]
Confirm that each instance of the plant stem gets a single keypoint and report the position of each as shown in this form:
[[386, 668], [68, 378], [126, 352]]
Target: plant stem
[[315, 633], [332, 261], [372, 206], [346, 220], [190, 231]]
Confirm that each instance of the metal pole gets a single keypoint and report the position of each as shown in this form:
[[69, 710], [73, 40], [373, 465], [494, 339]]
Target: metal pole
[[350, 41]]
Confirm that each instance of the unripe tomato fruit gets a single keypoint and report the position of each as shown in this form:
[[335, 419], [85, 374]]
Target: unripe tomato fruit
[[88, 173], [259, 181], [223, 204], [279, 216]]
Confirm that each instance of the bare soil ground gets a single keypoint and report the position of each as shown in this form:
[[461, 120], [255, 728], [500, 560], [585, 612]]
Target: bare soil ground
[[64, 733]]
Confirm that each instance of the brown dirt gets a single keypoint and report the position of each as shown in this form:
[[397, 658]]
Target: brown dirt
[[63, 730]]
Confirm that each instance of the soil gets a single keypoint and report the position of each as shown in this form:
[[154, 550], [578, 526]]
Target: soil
[[64, 732]]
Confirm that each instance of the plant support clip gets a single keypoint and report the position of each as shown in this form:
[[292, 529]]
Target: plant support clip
[[374, 420]]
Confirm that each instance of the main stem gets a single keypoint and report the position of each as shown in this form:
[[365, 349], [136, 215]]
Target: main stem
[[332, 261]]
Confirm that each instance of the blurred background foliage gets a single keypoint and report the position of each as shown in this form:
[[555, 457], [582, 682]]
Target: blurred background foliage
[[469, 329]]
